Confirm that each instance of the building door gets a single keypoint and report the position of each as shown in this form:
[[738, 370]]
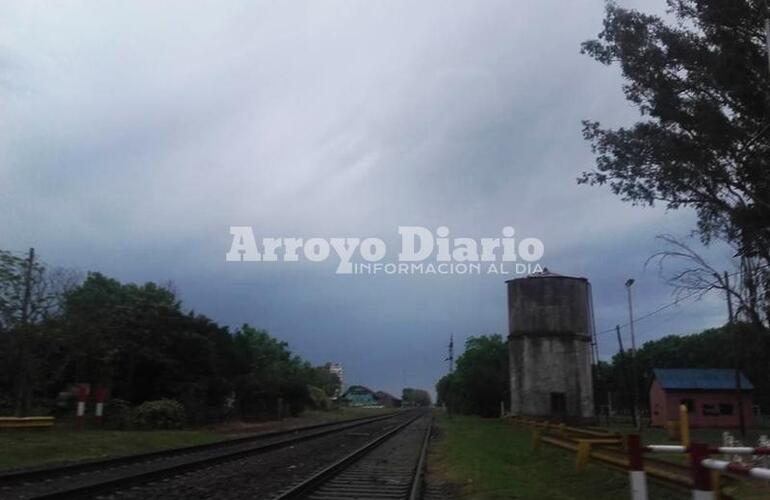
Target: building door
[[558, 404]]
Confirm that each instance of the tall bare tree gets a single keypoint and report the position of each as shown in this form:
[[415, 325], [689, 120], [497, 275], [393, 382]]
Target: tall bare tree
[[30, 295], [690, 273]]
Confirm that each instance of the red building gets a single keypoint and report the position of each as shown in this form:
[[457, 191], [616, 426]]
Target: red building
[[709, 395]]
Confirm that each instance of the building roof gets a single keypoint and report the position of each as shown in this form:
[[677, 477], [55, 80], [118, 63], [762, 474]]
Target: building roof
[[546, 273], [383, 394], [355, 388], [704, 379]]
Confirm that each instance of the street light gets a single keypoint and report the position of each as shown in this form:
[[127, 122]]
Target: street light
[[629, 282]]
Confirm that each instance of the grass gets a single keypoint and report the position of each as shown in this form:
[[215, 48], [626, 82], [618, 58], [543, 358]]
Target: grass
[[491, 459], [26, 448], [748, 489]]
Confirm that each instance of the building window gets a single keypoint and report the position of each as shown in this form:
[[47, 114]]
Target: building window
[[689, 403], [710, 410], [725, 409]]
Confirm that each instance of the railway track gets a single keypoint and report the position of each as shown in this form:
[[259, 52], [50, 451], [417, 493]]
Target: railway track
[[389, 467], [89, 479]]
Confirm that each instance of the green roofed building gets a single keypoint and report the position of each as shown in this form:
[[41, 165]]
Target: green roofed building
[[359, 395]]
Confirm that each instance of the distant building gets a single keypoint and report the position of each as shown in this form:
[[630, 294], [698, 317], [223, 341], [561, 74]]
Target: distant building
[[708, 393], [359, 395], [387, 400], [336, 368]]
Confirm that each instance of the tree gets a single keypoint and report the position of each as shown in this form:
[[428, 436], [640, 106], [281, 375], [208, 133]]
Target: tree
[[267, 374], [415, 397], [702, 350], [694, 275], [113, 328], [324, 379], [701, 84], [25, 293], [480, 380], [31, 296], [136, 341]]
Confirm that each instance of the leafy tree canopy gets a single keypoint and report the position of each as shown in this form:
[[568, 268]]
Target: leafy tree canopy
[[480, 380], [700, 81]]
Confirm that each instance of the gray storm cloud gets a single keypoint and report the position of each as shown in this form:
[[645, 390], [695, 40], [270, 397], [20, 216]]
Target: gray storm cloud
[[132, 135]]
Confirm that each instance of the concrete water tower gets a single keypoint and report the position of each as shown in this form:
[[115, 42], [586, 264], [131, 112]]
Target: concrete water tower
[[550, 320]]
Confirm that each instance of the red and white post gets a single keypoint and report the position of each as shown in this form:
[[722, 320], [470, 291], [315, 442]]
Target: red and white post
[[737, 468], [100, 396], [636, 472], [702, 489], [81, 392]]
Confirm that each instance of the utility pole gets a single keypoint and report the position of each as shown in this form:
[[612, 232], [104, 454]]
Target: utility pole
[[23, 383], [630, 282], [637, 418], [633, 398], [451, 359], [737, 356], [27, 288]]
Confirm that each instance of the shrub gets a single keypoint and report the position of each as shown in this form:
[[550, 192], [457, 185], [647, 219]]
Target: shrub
[[117, 414], [318, 398], [160, 414], [7, 406]]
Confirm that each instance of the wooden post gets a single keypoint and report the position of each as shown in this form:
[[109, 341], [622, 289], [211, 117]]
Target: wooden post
[[536, 435], [716, 483], [583, 454], [684, 426]]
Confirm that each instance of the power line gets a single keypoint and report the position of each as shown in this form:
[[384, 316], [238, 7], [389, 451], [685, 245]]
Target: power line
[[656, 311], [663, 308]]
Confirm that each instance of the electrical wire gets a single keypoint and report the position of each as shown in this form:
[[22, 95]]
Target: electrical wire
[[663, 308]]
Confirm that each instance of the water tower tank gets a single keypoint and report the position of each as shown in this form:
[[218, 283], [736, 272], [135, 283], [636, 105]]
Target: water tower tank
[[549, 343]]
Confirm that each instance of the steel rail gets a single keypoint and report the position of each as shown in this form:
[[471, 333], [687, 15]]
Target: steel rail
[[168, 470], [47, 472], [317, 479], [415, 492]]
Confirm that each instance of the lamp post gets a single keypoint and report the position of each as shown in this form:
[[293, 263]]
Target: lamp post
[[629, 283], [635, 380]]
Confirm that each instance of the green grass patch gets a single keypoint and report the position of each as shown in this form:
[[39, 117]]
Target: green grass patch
[[26, 448], [492, 459]]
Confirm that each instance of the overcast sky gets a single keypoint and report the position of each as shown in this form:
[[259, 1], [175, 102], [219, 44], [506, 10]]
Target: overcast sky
[[134, 134]]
